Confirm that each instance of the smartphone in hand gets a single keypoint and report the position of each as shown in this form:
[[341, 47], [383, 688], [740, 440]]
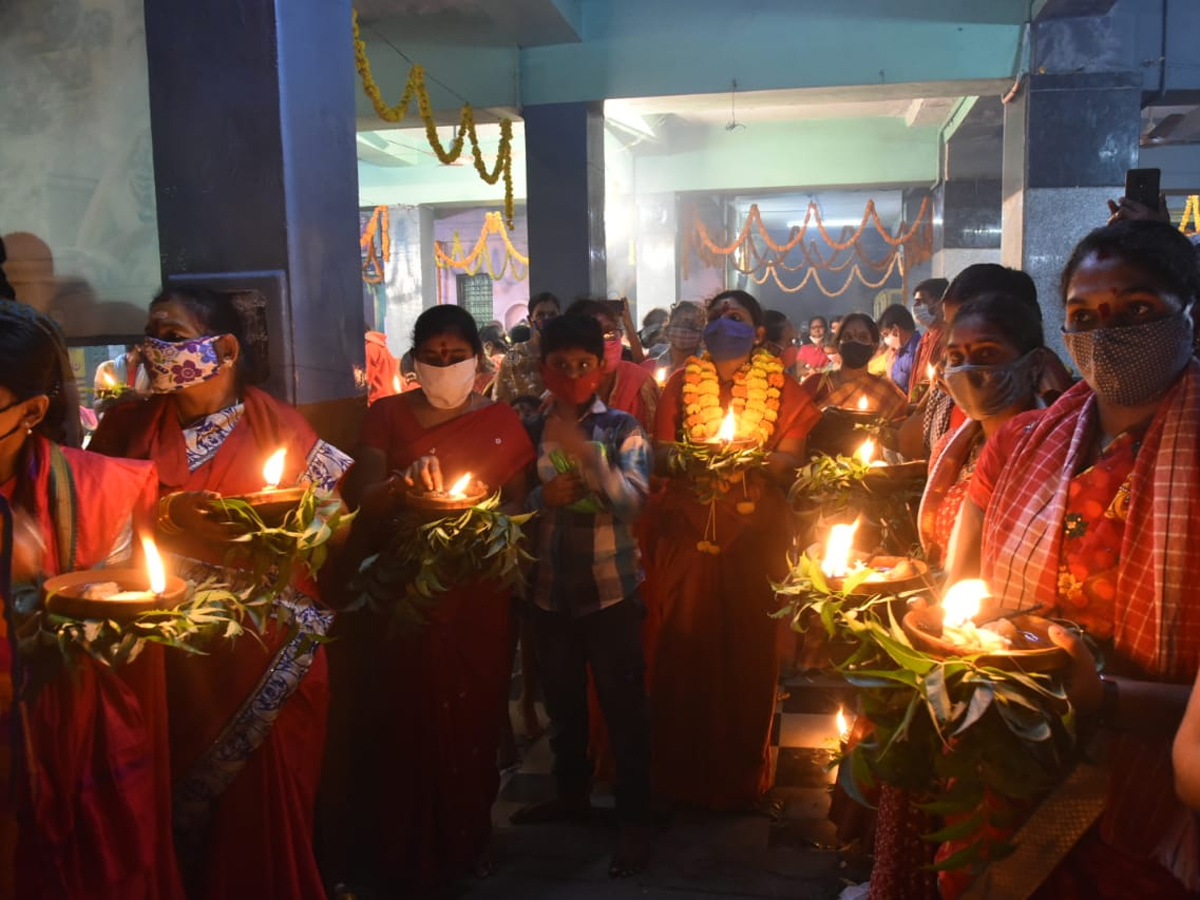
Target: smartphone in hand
[[1142, 186]]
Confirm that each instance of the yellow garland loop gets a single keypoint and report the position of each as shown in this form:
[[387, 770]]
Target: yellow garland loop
[[479, 255], [815, 275], [466, 127], [757, 389], [1191, 213], [916, 242], [373, 265]]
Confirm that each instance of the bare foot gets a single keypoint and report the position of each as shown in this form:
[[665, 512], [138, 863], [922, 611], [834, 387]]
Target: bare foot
[[633, 852], [560, 809], [488, 863]]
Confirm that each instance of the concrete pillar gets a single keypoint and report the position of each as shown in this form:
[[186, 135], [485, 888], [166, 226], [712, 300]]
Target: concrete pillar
[[252, 115], [564, 160], [1070, 133]]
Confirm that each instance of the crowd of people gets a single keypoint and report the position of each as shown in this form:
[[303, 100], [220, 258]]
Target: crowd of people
[[645, 620]]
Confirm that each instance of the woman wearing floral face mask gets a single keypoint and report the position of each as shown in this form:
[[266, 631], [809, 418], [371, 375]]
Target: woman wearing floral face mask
[[431, 702], [248, 721], [715, 666], [1115, 543]]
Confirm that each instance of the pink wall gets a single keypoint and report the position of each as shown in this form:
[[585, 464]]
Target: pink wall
[[508, 291]]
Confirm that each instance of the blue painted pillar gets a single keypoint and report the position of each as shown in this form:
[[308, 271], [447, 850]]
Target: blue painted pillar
[[564, 160], [252, 115], [1070, 132]]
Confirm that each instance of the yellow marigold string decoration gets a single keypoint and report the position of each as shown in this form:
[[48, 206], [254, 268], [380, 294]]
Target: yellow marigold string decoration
[[377, 257], [479, 257], [1191, 213], [908, 246], [415, 87]]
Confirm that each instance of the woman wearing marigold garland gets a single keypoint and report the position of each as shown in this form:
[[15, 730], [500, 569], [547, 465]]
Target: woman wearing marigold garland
[[247, 741], [713, 684]]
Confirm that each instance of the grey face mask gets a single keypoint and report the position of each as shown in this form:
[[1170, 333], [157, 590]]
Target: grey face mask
[[986, 391], [1135, 364]]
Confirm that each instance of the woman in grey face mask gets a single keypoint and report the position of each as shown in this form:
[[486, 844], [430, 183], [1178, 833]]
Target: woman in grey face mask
[[993, 352], [1089, 508]]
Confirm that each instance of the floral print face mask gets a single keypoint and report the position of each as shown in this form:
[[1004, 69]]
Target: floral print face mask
[[175, 365]]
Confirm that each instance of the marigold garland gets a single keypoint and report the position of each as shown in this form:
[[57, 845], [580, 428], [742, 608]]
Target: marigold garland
[[757, 388], [376, 259], [415, 86], [908, 246], [479, 256]]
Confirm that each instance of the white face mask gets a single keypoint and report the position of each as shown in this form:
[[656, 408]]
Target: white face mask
[[447, 387], [893, 341]]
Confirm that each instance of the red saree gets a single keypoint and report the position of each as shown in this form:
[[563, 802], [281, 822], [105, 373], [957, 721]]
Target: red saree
[[255, 837], [635, 391], [1138, 578], [432, 717], [713, 685], [93, 797]]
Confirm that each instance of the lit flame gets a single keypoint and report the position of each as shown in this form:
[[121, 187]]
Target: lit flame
[[459, 488], [273, 470], [930, 371], [660, 375], [154, 566], [837, 551], [107, 380], [862, 403], [866, 452], [395, 384], [728, 429], [843, 726], [963, 601]]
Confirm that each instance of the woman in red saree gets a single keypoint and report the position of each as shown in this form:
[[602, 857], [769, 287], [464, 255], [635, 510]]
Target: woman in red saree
[[713, 686], [431, 715], [92, 817], [993, 350], [247, 743], [1113, 545]]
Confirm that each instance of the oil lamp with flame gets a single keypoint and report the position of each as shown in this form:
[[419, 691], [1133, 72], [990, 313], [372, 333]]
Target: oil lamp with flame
[[117, 594], [962, 603], [862, 403], [728, 430], [273, 469], [660, 375]]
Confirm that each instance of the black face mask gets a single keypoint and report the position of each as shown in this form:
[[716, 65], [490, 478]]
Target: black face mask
[[855, 355]]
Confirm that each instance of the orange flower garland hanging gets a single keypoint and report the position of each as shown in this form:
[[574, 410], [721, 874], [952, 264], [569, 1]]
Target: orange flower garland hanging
[[757, 389]]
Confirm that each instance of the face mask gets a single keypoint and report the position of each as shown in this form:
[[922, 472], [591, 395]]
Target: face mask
[[683, 338], [575, 391], [817, 339], [892, 340], [923, 314], [1136, 364], [612, 354], [447, 387], [788, 357], [986, 391], [178, 365], [728, 338], [856, 355]]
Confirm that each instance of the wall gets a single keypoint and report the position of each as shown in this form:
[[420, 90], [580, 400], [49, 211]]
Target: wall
[[75, 161], [767, 155]]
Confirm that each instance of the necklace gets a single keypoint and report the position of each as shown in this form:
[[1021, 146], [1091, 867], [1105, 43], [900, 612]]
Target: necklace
[[757, 388]]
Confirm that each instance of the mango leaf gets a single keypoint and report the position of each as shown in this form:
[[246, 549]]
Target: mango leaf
[[981, 699], [958, 831]]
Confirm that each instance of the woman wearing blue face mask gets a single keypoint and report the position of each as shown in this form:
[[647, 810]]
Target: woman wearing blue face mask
[[1089, 508], [714, 665], [247, 719]]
